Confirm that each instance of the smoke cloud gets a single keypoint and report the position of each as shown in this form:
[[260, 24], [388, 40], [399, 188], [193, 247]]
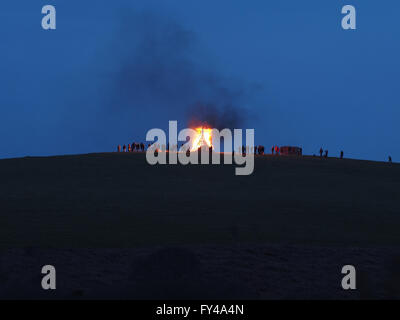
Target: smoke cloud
[[158, 69]]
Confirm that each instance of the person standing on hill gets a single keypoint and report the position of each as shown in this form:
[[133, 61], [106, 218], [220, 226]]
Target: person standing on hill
[[119, 148], [341, 154], [272, 150], [124, 148], [390, 159], [320, 152], [326, 154]]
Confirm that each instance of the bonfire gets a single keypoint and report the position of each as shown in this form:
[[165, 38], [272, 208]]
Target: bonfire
[[203, 138]]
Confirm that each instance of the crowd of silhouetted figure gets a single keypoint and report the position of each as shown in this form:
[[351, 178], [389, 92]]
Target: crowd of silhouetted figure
[[324, 154], [141, 147], [131, 147]]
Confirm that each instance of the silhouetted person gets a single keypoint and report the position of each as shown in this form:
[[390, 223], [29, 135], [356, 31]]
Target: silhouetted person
[[129, 147], [137, 145], [341, 154], [320, 152], [272, 150], [390, 159], [142, 146], [119, 148], [277, 150], [255, 149], [326, 154], [124, 148]]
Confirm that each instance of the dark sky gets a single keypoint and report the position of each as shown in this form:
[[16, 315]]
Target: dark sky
[[112, 70]]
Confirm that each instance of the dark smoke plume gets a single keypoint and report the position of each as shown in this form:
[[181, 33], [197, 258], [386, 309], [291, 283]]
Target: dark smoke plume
[[219, 117], [159, 71]]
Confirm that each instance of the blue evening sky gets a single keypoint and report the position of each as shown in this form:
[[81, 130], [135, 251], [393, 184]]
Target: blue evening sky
[[112, 70]]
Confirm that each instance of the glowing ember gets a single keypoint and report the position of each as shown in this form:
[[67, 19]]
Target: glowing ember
[[203, 138]]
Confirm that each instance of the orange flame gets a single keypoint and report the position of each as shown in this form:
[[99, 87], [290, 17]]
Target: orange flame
[[203, 138]]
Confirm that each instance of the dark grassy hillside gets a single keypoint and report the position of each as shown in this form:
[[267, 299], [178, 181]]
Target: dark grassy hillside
[[114, 200]]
